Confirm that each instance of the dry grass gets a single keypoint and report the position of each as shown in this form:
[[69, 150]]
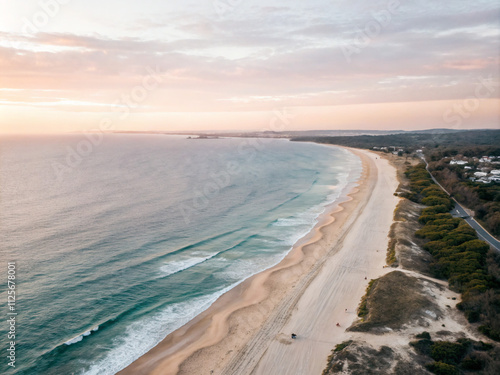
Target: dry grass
[[358, 358], [391, 258], [392, 302], [404, 249]]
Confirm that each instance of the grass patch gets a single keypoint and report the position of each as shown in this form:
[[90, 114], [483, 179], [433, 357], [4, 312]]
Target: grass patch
[[342, 346], [363, 306], [392, 301], [391, 259]]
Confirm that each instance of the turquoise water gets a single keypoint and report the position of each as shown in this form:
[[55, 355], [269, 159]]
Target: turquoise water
[[142, 233]]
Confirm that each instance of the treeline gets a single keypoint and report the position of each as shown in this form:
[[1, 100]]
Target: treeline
[[458, 255], [413, 141], [469, 151]]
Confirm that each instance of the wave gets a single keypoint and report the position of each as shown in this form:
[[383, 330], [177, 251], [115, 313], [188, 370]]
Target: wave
[[181, 265], [190, 246], [144, 334], [244, 269], [96, 276], [291, 199], [184, 264], [79, 338], [300, 224]]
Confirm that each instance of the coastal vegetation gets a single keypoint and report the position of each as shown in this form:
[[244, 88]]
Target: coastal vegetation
[[391, 301], [458, 255], [391, 259], [452, 358], [352, 357], [363, 308]]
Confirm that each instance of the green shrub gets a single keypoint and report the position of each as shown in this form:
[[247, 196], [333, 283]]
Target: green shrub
[[476, 246], [342, 346], [482, 346], [363, 306], [434, 200], [472, 316], [424, 335], [440, 368], [434, 190], [490, 332], [422, 346], [440, 209], [448, 352], [434, 246], [472, 363]]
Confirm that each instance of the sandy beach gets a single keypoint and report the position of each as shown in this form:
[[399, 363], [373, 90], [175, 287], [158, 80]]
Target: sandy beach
[[247, 330]]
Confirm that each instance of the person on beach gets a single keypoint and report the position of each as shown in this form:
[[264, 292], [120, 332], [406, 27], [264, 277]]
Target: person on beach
[[294, 336]]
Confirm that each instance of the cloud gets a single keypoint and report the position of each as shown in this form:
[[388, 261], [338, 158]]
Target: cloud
[[257, 56]]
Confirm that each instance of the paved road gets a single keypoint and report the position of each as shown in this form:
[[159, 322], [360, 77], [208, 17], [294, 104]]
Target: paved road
[[459, 211]]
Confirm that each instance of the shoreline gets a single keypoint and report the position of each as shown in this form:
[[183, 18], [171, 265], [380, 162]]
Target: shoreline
[[218, 340]]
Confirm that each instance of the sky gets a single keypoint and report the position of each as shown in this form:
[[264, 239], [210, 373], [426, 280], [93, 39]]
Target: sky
[[72, 65]]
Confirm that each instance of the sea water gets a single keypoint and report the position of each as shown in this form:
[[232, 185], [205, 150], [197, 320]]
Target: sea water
[[120, 240]]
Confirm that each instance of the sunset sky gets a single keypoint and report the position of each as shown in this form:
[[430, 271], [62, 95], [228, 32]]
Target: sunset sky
[[68, 65]]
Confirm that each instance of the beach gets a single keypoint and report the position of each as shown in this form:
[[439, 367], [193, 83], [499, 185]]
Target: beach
[[318, 284]]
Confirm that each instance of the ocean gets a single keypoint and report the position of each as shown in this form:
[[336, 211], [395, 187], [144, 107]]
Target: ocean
[[118, 241]]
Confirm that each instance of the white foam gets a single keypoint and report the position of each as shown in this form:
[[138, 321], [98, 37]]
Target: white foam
[[180, 265], [298, 226], [79, 338], [74, 340], [142, 335], [245, 268], [290, 222]]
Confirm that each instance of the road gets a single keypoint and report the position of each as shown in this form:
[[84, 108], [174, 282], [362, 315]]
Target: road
[[460, 211]]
